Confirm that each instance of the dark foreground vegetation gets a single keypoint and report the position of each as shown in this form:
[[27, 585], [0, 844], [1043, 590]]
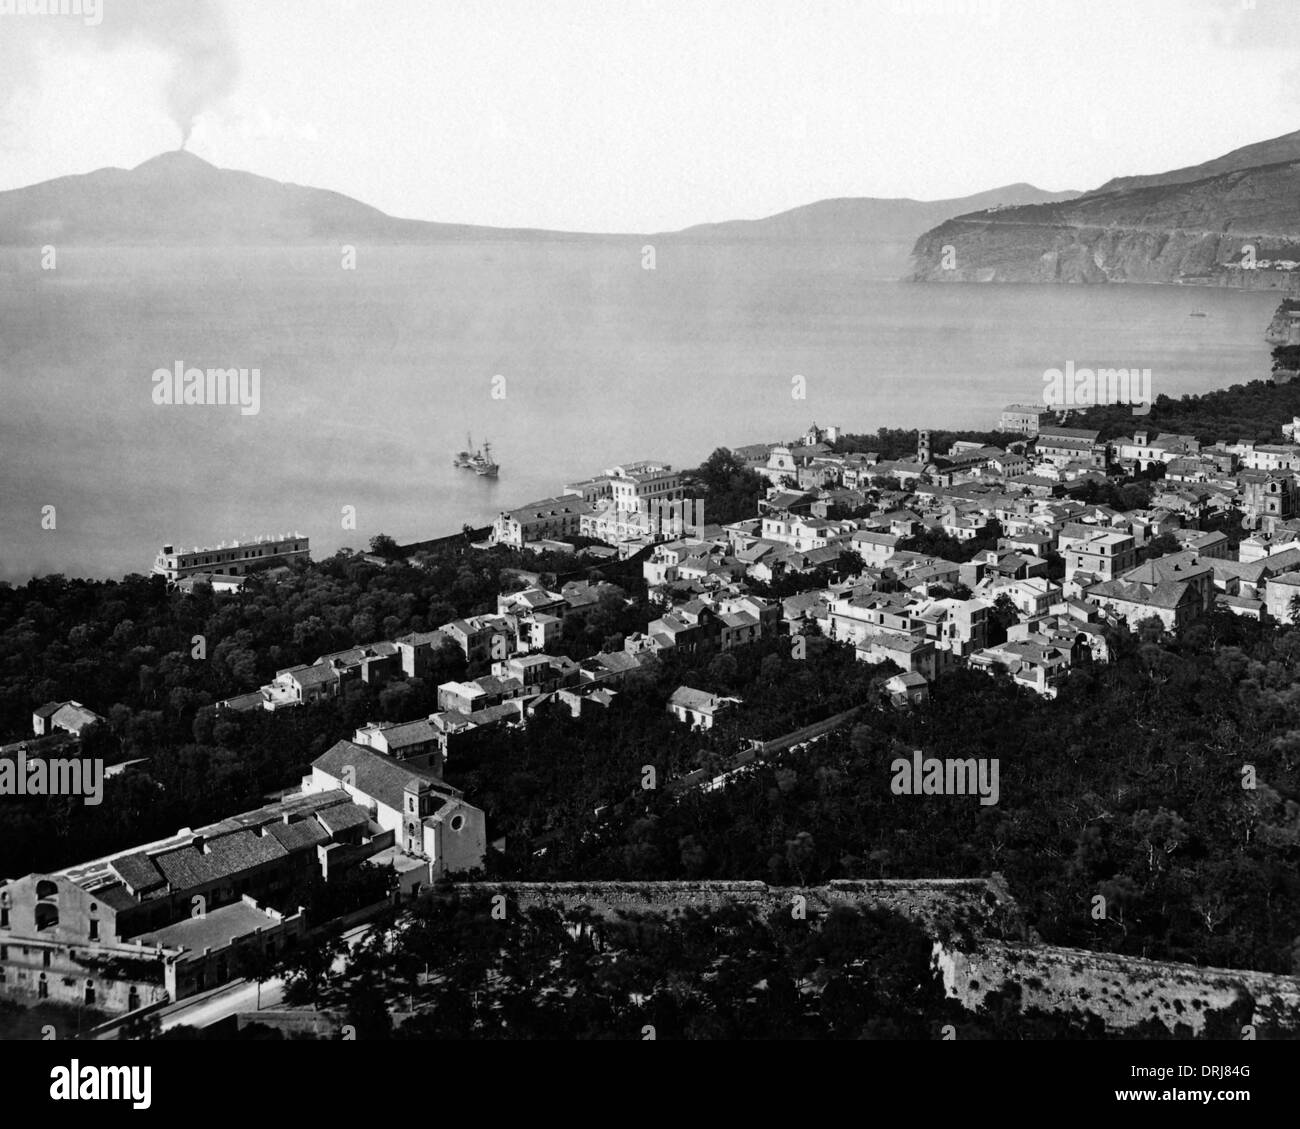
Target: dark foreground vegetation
[[455, 969]]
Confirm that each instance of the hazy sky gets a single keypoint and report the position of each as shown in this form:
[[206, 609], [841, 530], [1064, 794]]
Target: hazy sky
[[644, 115]]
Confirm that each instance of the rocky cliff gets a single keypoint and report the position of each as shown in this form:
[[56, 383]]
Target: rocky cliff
[[1239, 228], [1284, 329]]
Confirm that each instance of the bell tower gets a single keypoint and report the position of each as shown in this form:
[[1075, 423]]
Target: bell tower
[[923, 448]]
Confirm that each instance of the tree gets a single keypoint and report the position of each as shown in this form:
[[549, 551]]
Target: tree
[[723, 670], [731, 489], [306, 968], [850, 563], [384, 546], [1161, 546], [252, 962], [1003, 616]]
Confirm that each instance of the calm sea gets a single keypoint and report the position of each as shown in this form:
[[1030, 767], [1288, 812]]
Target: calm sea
[[371, 378]]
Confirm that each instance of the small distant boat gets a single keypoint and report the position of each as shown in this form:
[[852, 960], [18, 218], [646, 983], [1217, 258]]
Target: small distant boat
[[1198, 314], [482, 462], [462, 458]]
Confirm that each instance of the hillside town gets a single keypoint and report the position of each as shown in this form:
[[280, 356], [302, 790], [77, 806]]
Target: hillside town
[[978, 557], [1053, 570], [771, 524]]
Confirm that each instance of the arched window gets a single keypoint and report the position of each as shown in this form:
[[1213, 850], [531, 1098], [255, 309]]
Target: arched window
[[47, 916], [47, 889]]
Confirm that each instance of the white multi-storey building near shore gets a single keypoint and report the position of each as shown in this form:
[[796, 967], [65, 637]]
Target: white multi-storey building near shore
[[230, 559]]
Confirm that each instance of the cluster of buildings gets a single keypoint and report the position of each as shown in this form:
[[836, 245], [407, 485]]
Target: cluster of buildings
[[629, 506], [920, 611], [925, 613], [168, 919], [511, 642]]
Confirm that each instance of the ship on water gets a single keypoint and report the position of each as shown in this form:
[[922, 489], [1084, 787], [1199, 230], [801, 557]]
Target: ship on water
[[482, 462]]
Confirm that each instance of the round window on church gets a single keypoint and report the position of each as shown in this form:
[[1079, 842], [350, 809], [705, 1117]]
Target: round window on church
[[457, 822]]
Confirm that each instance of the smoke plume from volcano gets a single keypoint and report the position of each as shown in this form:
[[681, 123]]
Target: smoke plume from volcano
[[196, 35]]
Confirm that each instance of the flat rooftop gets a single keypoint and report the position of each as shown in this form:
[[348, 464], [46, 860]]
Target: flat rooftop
[[214, 930]]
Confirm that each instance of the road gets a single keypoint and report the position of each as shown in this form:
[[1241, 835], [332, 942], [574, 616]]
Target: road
[[238, 996]]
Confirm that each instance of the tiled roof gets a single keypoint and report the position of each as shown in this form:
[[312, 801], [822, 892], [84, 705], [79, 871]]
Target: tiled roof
[[1240, 602], [451, 721], [314, 676], [1249, 570], [303, 833], [1068, 433], [218, 859], [376, 775], [421, 638], [138, 872], [298, 804], [618, 661], [493, 714], [409, 733], [1166, 594], [115, 896], [1173, 566], [692, 699]]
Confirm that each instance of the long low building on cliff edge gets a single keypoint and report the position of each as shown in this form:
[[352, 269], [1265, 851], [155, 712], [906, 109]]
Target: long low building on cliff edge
[[233, 559]]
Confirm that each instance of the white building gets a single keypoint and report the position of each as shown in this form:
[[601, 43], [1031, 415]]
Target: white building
[[696, 708], [233, 559], [428, 818]]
